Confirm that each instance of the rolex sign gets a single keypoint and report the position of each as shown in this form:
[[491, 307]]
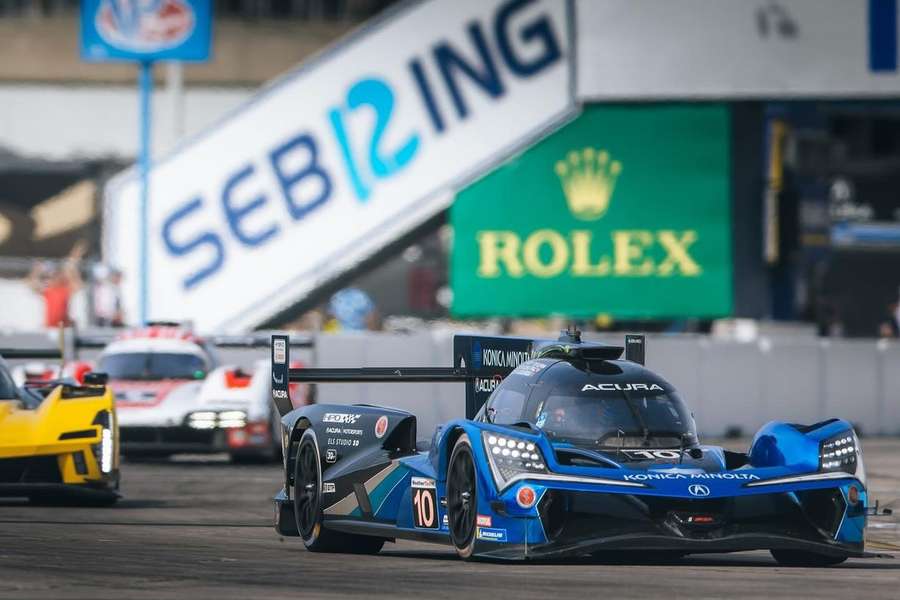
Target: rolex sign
[[624, 211]]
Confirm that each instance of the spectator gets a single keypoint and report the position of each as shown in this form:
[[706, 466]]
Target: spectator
[[353, 310], [890, 326], [56, 284], [107, 298]]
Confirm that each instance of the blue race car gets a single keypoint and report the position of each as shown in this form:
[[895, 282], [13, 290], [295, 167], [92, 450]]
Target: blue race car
[[566, 450]]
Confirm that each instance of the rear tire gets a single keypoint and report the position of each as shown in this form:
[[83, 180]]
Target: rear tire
[[462, 497], [308, 507], [799, 558]]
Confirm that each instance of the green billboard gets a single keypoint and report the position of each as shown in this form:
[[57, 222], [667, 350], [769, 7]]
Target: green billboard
[[624, 211]]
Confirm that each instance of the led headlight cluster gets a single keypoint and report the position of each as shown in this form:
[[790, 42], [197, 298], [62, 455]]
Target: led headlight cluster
[[510, 457], [840, 453], [104, 451], [210, 419]]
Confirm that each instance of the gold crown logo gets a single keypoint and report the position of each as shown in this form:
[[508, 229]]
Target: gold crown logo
[[588, 181]]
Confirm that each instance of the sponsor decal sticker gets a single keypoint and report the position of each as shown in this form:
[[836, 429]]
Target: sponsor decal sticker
[[343, 431], [494, 357], [491, 535], [339, 441], [622, 387], [483, 520], [698, 490], [542, 418], [381, 426], [445, 522], [331, 456], [482, 384], [476, 355], [280, 351], [345, 418], [691, 476], [529, 369], [328, 488], [422, 483]]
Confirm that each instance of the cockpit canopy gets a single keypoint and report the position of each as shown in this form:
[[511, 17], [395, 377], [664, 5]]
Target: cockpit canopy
[[594, 404]]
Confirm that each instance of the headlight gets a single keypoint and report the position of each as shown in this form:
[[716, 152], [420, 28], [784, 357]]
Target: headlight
[[202, 420], [232, 418], [842, 453], [106, 451], [208, 419], [103, 451], [510, 457]]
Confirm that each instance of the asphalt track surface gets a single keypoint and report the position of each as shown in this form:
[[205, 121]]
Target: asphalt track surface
[[202, 529]]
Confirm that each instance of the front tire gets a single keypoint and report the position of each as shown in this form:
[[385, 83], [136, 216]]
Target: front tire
[[462, 497], [308, 506], [799, 558]]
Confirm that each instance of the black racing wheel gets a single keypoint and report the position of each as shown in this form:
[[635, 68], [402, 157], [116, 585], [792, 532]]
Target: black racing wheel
[[799, 558], [308, 507], [462, 497]]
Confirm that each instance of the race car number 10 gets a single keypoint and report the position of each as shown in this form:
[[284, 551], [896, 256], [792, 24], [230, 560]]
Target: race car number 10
[[424, 500]]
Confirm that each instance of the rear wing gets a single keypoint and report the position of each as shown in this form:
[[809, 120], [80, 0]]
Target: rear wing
[[99, 340], [257, 340], [31, 353], [283, 376], [478, 361]]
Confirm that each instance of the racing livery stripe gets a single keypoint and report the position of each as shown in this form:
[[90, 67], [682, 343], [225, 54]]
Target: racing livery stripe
[[346, 505]]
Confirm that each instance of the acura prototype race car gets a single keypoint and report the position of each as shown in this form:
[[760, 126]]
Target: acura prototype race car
[[566, 450], [174, 394], [58, 439]]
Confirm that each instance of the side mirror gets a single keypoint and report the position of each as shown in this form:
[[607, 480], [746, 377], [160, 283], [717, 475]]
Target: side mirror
[[94, 378]]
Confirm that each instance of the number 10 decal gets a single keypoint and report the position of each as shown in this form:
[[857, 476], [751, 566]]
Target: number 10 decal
[[424, 503]]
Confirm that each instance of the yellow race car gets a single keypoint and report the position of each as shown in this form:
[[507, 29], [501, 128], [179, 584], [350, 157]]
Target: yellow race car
[[59, 441]]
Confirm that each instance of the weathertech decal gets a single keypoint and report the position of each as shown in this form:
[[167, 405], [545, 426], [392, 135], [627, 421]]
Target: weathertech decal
[[422, 482], [622, 387]]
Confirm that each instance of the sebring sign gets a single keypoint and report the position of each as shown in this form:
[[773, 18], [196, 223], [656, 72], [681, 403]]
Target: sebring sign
[[341, 157], [590, 221]]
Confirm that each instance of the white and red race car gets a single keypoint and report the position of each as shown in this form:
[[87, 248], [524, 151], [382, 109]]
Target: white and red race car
[[173, 395]]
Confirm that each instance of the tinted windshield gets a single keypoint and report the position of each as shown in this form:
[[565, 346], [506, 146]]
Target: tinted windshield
[[617, 419], [153, 365]]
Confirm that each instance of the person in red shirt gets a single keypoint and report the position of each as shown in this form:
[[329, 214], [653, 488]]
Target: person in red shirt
[[56, 285]]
